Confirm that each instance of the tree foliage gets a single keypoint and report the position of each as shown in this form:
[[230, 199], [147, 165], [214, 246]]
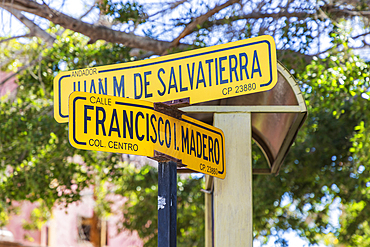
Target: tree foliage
[[327, 167], [324, 164]]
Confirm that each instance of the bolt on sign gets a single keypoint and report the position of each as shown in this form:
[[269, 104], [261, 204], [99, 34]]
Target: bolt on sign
[[217, 72], [121, 125]]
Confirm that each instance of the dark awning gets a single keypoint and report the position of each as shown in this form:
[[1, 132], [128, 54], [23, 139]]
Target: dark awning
[[277, 115]]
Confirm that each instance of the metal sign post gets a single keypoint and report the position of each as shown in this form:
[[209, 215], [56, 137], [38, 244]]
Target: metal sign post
[[167, 204]]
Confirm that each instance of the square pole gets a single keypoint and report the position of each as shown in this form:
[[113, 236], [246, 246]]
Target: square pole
[[232, 197], [167, 204]]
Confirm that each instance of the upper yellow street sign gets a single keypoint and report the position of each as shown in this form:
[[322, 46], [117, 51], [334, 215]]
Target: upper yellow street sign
[[121, 125], [221, 71]]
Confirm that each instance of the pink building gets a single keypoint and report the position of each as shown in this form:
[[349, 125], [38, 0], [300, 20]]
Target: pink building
[[70, 227], [9, 86]]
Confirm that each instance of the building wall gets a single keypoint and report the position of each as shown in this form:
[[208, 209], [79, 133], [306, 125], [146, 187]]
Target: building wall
[[9, 86], [16, 222], [62, 230]]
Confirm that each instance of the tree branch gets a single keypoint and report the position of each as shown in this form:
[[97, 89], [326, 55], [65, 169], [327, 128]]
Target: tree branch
[[258, 15], [337, 12], [16, 37], [88, 11], [34, 29], [173, 6], [140, 53], [360, 35], [92, 31], [200, 19]]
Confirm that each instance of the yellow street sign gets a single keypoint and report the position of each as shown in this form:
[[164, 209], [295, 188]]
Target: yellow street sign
[[122, 125], [217, 72]]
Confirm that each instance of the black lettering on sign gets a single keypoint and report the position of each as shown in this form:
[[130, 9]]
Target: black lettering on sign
[[84, 72], [126, 124], [154, 140], [119, 89], [167, 133], [100, 121], [138, 114], [114, 121], [184, 140]]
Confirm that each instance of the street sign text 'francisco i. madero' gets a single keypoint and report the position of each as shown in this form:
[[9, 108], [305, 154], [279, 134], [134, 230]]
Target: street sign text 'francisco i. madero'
[[122, 125]]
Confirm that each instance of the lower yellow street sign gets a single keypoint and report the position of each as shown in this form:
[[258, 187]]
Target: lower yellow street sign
[[122, 125], [216, 72]]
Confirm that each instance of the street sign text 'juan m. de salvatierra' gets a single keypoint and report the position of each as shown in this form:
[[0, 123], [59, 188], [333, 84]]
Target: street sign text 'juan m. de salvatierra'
[[216, 72], [123, 125]]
